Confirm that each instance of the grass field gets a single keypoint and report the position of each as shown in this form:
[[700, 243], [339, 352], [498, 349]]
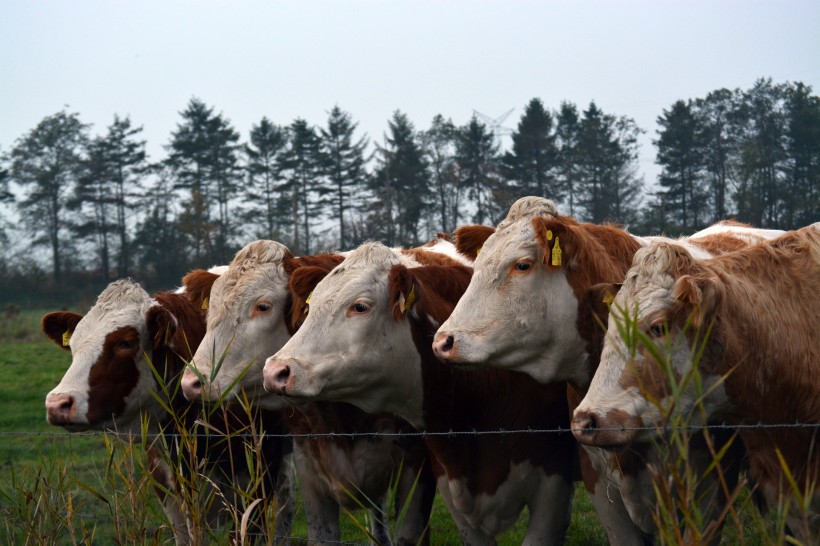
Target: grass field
[[61, 488]]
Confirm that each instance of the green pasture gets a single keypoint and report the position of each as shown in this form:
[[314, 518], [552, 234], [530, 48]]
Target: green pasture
[[58, 488]]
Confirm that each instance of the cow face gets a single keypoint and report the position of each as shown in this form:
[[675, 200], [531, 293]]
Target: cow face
[[247, 320], [110, 380], [350, 347], [656, 330], [519, 311]]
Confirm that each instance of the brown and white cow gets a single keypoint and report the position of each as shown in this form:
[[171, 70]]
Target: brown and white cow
[[752, 318], [251, 314], [527, 309], [366, 340], [111, 385]]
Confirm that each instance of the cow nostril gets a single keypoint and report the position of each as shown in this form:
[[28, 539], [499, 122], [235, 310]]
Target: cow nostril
[[590, 423], [448, 343], [282, 375], [66, 406]]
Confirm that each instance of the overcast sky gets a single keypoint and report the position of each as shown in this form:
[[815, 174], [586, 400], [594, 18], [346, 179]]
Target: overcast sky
[[288, 59]]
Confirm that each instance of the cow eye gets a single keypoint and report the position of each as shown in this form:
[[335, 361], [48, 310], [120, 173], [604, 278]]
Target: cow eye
[[523, 266], [656, 330], [127, 345], [263, 307], [360, 308]]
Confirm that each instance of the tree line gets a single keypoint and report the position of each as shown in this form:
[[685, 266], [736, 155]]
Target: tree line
[[103, 209]]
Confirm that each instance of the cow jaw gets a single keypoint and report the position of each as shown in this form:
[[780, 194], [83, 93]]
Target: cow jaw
[[518, 320], [366, 359]]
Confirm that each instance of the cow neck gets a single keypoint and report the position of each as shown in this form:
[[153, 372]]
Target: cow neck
[[607, 257]]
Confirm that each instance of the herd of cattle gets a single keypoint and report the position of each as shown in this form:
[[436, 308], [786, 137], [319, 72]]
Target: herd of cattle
[[542, 323]]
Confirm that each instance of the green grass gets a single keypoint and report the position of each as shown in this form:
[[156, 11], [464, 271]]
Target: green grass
[[57, 488]]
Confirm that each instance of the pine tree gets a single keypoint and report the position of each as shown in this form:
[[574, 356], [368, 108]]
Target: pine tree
[[530, 165], [268, 206], [801, 204], [204, 160], [477, 160], [110, 186], [438, 143], [567, 136], [344, 162], [400, 185], [680, 156], [303, 163], [716, 138], [46, 163]]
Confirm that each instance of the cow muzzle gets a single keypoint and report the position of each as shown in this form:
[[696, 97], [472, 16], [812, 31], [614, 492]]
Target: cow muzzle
[[612, 430], [61, 409], [278, 376], [192, 387], [444, 346]]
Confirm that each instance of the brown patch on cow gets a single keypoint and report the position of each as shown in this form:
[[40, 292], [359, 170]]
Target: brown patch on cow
[[114, 375], [426, 257], [59, 326], [326, 261], [720, 243], [590, 253], [486, 399], [302, 283], [198, 284], [470, 239]]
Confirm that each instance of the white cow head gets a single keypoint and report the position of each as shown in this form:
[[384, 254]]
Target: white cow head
[[249, 318], [354, 345], [110, 381], [520, 310], [660, 321]]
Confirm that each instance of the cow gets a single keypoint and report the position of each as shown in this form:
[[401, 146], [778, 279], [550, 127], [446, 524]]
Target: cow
[[251, 314], [528, 308], [119, 348], [747, 320], [366, 341]]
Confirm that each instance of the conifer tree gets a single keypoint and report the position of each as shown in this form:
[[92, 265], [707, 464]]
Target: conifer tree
[[268, 205], [530, 165]]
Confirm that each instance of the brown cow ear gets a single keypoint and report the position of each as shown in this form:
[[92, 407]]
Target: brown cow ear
[[599, 299], [401, 291], [59, 326], [198, 284], [302, 282], [556, 239], [700, 296], [470, 239], [161, 326]]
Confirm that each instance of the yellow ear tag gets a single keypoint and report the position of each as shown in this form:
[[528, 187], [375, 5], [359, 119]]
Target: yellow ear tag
[[556, 253], [307, 301], [66, 337], [549, 235], [205, 304], [609, 298], [411, 299], [478, 251]]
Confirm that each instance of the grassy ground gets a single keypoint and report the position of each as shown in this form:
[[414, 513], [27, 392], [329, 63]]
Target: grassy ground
[[57, 488]]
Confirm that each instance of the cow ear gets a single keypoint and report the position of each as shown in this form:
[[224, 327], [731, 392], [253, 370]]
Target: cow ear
[[699, 296], [557, 239], [59, 326], [161, 326], [401, 291], [302, 282], [198, 284], [470, 239], [599, 299]]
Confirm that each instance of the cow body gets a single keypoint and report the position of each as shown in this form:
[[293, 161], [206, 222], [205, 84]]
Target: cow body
[[366, 341], [527, 309], [754, 312], [251, 314], [111, 385]]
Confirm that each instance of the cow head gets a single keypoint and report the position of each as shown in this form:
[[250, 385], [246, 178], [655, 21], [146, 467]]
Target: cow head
[[113, 347], [520, 310], [247, 319], [351, 347], [657, 328]]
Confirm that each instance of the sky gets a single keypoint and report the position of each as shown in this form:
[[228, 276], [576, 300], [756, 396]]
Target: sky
[[287, 59]]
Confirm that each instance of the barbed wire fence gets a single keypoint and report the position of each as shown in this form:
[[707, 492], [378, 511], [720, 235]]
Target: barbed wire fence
[[5, 509]]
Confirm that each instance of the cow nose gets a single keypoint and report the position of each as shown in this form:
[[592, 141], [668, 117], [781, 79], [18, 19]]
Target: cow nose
[[276, 376], [584, 426], [60, 409], [443, 345], [191, 386]]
